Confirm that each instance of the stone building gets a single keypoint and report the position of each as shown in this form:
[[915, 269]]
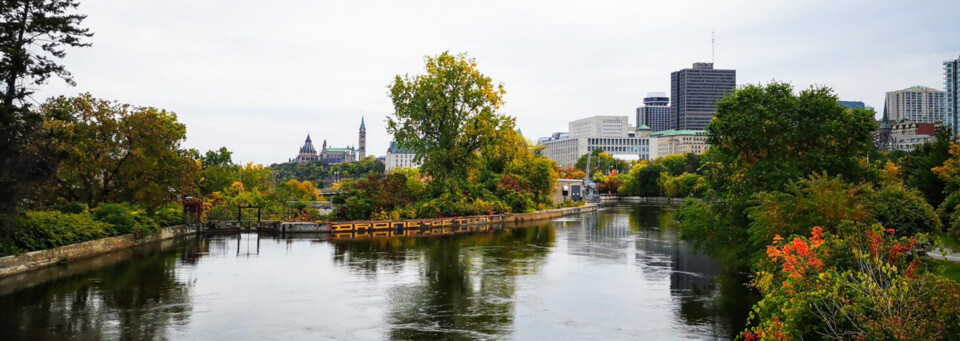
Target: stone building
[[307, 152], [399, 158], [667, 142]]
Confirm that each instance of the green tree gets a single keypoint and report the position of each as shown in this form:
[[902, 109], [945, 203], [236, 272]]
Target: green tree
[[643, 180], [116, 153], [217, 171], [33, 36], [918, 165], [775, 136], [446, 115]]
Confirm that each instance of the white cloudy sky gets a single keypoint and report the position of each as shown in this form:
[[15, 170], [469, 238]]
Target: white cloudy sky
[[255, 76]]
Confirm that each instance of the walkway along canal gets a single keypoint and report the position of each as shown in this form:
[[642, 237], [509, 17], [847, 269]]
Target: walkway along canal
[[620, 273]]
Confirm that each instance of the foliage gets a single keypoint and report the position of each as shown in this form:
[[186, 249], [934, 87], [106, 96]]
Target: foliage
[[643, 180], [114, 153], [816, 201], [602, 162], [217, 170], [869, 285], [904, 210], [125, 218], [774, 136], [683, 185], [446, 115], [571, 173], [33, 37], [362, 199], [829, 202], [39, 230], [918, 167]]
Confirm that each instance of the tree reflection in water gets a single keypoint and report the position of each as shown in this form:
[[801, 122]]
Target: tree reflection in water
[[711, 296], [467, 283], [136, 299]]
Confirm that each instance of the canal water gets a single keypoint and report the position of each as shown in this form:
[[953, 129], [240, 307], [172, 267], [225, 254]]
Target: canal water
[[620, 273]]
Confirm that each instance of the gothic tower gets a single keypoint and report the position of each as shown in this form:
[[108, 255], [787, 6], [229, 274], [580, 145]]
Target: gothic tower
[[883, 140], [363, 139]]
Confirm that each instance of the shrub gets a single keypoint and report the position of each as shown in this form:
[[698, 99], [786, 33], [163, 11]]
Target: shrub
[[905, 211], [500, 208], [38, 230], [949, 212], [73, 207], [520, 202], [482, 207], [125, 218], [428, 210], [169, 215]]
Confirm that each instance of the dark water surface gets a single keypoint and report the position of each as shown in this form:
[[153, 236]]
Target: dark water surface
[[621, 273]]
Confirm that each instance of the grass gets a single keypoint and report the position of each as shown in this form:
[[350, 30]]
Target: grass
[[945, 268], [950, 242]]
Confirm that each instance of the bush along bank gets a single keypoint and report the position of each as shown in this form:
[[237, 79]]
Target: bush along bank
[[75, 223]]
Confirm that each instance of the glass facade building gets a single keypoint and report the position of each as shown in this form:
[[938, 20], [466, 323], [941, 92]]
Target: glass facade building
[[655, 112], [951, 74]]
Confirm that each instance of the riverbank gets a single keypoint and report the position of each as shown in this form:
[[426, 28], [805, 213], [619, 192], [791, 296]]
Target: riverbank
[[35, 260]]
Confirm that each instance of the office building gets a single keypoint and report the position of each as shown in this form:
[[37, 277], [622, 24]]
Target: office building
[[668, 142], [694, 94], [601, 126], [951, 79], [613, 134], [655, 112], [916, 104]]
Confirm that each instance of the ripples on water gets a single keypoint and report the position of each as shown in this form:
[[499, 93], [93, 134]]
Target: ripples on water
[[621, 273]]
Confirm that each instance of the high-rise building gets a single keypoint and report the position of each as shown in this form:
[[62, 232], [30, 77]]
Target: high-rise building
[[916, 104], [695, 93], [655, 112], [951, 77], [362, 147]]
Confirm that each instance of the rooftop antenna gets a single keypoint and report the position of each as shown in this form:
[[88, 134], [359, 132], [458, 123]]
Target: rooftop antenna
[[713, 46]]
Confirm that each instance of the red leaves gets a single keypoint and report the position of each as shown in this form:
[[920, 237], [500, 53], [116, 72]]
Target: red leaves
[[798, 255]]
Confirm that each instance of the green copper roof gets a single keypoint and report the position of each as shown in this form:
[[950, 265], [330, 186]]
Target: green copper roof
[[643, 127], [677, 132], [361, 123], [339, 149]]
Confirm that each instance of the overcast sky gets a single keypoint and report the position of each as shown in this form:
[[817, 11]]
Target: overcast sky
[[256, 76]]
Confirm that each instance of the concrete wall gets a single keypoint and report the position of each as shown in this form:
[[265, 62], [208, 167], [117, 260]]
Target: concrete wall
[[30, 261]]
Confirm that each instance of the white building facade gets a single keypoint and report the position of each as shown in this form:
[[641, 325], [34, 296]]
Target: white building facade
[[399, 158], [613, 134], [668, 142], [917, 104]]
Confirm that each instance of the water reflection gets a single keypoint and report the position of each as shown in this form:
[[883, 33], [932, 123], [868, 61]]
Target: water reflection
[[137, 299], [466, 283], [622, 273]]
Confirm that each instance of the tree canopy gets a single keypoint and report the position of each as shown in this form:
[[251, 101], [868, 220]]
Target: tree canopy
[[34, 34], [446, 115], [773, 135]]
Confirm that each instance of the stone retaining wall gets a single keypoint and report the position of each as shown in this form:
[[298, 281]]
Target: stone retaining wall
[[30, 261]]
